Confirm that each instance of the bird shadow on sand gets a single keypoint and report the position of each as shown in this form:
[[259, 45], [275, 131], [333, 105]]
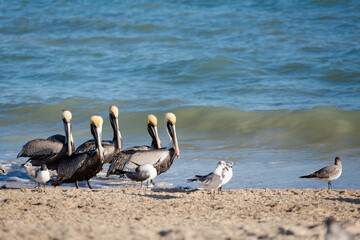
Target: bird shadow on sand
[[155, 196], [348, 200], [170, 190]]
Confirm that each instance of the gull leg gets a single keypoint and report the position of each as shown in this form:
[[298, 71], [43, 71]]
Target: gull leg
[[44, 187], [212, 195], [89, 184], [77, 184], [39, 189], [329, 185]]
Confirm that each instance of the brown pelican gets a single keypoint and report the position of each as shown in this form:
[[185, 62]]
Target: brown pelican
[[83, 166], [327, 173], [161, 159], [110, 147], [142, 173], [50, 151], [39, 174], [120, 159]]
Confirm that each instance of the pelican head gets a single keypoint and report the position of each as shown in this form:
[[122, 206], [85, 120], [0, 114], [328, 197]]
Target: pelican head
[[170, 125], [67, 116], [152, 129], [114, 121], [114, 110], [96, 123]]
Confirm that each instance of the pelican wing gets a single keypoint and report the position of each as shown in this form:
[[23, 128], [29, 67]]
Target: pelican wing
[[69, 165], [57, 137], [118, 161], [138, 148], [90, 146], [154, 157], [39, 148], [212, 181]]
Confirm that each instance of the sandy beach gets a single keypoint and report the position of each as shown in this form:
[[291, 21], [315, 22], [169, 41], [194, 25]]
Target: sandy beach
[[69, 213]]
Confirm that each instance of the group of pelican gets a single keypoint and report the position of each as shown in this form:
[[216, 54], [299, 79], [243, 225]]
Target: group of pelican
[[139, 163]]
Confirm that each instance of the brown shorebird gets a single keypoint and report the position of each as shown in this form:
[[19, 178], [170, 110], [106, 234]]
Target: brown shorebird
[[327, 173]]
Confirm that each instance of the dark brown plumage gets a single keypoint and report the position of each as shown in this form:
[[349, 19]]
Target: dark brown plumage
[[83, 166], [161, 159], [120, 158], [50, 151], [111, 148]]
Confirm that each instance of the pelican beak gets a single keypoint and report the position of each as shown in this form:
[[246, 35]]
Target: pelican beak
[[69, 137], [152, 129], [156, 135], [117, 135], [67, 116], [170, 124], [96, 130], [176, 146]]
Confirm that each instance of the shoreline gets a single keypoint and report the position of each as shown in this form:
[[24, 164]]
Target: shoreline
[[132, 213]]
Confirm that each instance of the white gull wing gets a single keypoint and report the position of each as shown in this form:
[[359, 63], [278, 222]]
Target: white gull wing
[[212, 182], [138, 176], [31, 170]]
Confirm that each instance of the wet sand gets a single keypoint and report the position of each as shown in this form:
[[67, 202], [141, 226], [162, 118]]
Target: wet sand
[[69, 213]]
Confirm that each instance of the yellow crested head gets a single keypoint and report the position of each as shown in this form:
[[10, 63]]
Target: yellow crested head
[[152, 119], [171, 117], [97, 120], [67, 115], [114, 110]]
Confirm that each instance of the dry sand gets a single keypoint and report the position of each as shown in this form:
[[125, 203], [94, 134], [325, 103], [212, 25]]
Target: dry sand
[[69, 213]]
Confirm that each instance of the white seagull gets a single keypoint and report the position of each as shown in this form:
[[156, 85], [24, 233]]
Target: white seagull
[[211, 181], [227, 174], [146, 172], [39, 174]]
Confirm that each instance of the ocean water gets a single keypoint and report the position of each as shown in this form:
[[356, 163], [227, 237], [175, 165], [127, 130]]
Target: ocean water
[[273, 86]]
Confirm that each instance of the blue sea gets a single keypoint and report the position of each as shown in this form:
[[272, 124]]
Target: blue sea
[[273, 86]]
